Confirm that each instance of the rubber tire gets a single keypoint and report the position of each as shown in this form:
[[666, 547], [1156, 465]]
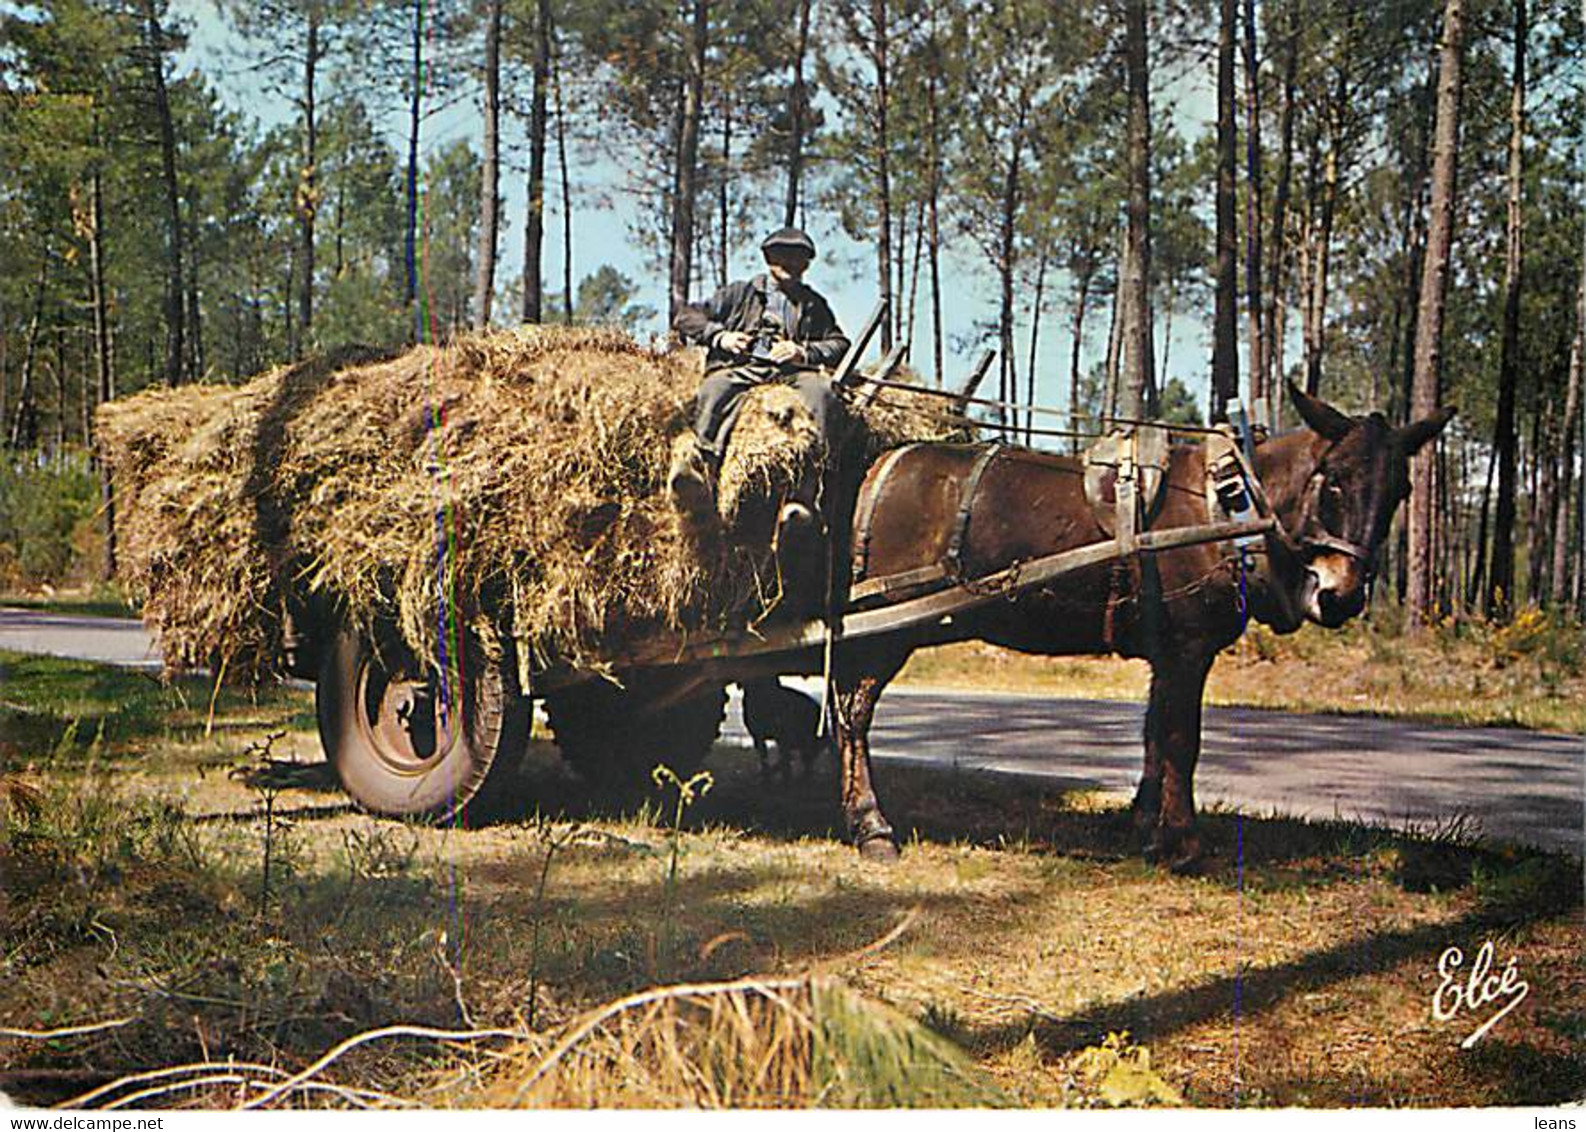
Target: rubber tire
[[607, 736], [493, 736]]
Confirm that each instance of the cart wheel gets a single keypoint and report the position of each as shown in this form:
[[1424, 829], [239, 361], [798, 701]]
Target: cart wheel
[[406, 743], [615, 736]]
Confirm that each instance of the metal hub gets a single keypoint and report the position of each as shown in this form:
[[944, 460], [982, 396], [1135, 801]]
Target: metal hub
[[407, 723]]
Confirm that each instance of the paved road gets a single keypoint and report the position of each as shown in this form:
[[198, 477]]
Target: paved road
[[1523, 785], [107, 640]]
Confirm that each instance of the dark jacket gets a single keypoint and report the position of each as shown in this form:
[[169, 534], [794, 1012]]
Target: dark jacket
[[738, 306]]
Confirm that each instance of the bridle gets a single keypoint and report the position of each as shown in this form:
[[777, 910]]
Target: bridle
[[1313, 536]]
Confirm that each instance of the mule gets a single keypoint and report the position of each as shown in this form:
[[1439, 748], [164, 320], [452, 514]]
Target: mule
[[1333, 485]]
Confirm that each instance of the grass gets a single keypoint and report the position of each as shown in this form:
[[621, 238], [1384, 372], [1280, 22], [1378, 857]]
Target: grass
[[1531, 673], [58, 711], [87, 601], [1044, 957]]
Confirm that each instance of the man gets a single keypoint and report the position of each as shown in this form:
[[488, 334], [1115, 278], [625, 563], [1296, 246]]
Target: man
[[769, 328]]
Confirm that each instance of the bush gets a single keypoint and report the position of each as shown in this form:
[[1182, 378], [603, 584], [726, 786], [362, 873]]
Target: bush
[[47, 509]]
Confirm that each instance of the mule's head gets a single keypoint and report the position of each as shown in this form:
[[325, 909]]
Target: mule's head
[[1349, 500]]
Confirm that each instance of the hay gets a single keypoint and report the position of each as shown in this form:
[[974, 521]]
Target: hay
[[513, 480], [802, 1042]]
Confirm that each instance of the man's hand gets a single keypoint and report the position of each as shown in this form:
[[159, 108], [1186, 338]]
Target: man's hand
[[786, 350], [734, 342]]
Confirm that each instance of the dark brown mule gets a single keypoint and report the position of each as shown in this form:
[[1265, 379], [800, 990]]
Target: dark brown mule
[[1334, 487]]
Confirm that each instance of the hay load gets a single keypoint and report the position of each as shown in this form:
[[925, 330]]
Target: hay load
[[506, 482]]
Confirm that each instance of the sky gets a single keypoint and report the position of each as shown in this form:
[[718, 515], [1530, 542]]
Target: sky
[[605, 219]]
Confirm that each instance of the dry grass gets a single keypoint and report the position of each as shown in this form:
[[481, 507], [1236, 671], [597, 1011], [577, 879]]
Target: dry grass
[[509, 482], [792, 1042]]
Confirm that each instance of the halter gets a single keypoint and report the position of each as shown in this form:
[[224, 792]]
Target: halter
[[1313, 535]]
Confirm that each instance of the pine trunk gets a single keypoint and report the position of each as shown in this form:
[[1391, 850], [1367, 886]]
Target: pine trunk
[[489, 178], [308, 186], [914, 270], [1110, 372], [1566, 463], [567, 193], [724, 197], [1500, 598], [534, 218], [1082, 281], [175, 291], [411, 233], [682, 259], [106, 381], [197, 361], [1257, 350], [878, 20], [1225, 324], [1137, 387], [24, 424], [1007, 264], [795, 165], [932, 111], [1427, 386], [1035, 337], [1273, 332], [1316, 342]]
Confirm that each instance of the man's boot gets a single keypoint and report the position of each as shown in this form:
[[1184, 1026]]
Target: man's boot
[[692, 485], [801, 560]]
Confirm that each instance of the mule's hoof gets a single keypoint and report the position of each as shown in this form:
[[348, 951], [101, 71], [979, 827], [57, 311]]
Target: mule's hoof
[[880, 849], [1188, 859], [1181, 853]]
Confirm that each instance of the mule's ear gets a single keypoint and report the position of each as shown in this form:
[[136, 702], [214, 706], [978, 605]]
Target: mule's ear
[[1319, 415], [1415, 436]]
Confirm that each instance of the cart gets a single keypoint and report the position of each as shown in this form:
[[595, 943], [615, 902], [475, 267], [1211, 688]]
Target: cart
[[414, 740]]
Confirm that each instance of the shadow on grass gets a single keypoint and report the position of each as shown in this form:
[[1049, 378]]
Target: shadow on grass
[[1512, 1073], [998, 810]]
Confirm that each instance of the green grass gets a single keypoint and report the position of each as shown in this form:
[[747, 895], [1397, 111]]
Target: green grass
[[64, 710], [100, 601]]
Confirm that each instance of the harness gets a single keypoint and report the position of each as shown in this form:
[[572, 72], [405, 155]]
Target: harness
[[1233, 492], [950, 567]]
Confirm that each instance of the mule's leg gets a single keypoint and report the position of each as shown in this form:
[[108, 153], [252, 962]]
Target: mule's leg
[[1147, 805], [860, 680], [1172, 746]]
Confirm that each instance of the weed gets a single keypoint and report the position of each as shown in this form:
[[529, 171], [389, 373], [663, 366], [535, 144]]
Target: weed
[[1513, 889], [552, 842], [253, 769], [688, 793], [1119, 1074], [379, 852], [944, 1020]]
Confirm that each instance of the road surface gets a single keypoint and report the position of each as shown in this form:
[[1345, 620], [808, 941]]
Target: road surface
[[1522, 785]]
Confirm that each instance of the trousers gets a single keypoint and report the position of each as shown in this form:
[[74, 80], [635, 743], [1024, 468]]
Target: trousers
[[720, 397]]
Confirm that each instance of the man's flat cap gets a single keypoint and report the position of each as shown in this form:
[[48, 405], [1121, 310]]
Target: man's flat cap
[[791, 239]]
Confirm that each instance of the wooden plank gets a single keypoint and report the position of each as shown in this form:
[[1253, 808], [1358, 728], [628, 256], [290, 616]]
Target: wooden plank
[[845, 372], [889, 366], [966, 394]]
